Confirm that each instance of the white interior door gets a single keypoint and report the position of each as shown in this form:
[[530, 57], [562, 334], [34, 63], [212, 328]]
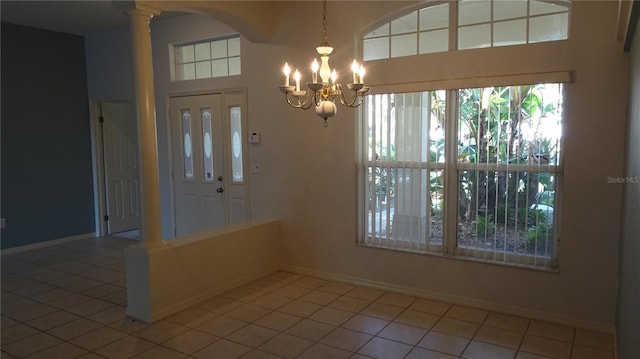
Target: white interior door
[[120, 141], [198, 166]]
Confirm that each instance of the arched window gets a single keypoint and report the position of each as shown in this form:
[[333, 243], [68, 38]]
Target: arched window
[[475, 24]]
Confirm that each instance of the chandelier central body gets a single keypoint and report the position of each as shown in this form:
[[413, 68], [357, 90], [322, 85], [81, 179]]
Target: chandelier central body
[[323, 95]]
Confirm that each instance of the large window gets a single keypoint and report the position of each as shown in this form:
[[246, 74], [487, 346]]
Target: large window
[[480, 23], [470, 172]]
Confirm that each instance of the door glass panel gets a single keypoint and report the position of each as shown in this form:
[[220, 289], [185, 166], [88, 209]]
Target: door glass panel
[[187, 146], [207, 144], [235, 119]]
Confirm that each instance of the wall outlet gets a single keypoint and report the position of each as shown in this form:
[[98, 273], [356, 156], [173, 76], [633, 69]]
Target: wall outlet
[[256, 168]]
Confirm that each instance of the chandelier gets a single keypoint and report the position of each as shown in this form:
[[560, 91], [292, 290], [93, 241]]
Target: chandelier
[[324, 94]]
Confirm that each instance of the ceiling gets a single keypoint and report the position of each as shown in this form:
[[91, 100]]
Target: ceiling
[[79, 17]]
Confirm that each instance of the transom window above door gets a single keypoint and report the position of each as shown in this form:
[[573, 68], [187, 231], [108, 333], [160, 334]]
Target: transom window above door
[[211, 58], [467, 24]]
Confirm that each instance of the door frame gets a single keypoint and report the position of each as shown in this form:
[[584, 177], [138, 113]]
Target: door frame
[[226, 143], [97, 153]]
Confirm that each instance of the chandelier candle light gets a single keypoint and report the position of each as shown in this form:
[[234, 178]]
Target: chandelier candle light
[[324, 94]]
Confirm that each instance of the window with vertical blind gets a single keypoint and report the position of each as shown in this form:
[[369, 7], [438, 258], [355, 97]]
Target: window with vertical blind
[[471, 172]]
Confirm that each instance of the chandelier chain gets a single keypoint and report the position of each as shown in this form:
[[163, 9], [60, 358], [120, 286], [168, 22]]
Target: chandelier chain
[[324, 23]]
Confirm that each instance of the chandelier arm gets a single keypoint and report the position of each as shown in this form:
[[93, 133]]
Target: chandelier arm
[[355, 102], [305, 105]]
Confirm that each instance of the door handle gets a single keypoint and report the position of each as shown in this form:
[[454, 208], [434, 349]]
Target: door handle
[[219, 190]]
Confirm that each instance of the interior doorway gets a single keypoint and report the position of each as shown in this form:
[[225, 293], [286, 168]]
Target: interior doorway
[[117, 129]]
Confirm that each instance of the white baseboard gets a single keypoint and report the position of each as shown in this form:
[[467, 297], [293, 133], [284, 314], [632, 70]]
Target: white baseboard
[[456, 299], [48, 243]]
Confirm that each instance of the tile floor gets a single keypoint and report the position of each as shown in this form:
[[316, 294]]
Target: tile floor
[[68, 301]]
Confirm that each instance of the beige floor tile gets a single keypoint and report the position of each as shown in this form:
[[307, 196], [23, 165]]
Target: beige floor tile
[[365, 324], [320, 351], [456, 327], [350, 304], [160, 352], [318, 297], [595, 340], [346, 339], [160, 331], [252, 335], [365, 293], [60, 351], [525, 355], [278, 321], [336, 288], [331, 316], [498, 336], [33, 312], [219, 305], [286, 346], [580, 352], [467, 314], [70, 300], [300, 308], [90, 356], [52, 320], [109, 315], [125, 348], [243, 294], [189, 341], [481, 350], [421, 353], [259, 354], [129, 325], [417, 319], [89, 307], [248, 313], [221, 326], [310, 282], [222, 349], [30, 345], [292, 291], [74, 328], [430, 306], [402, 333], [546, 347], [384, 348], [505, 321], [551, 331], [271, 301], [192, 317], [397, 300], [16, 332], [382, 311], [310, 329], [98, 338], [445, 343], [6, 322]]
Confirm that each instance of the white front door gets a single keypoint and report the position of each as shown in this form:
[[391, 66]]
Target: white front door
[[120, 141], [198, 166]]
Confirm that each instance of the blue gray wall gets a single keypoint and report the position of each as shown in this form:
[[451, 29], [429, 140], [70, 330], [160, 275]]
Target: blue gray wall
[[47, 186]]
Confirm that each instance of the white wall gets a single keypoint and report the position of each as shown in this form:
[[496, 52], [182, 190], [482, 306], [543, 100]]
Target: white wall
[[308, 178]]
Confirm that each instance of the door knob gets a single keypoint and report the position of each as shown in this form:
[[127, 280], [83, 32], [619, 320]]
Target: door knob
[[219, 190], [220, 178]]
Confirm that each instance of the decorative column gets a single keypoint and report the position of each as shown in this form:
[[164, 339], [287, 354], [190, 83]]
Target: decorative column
[[150, 230]]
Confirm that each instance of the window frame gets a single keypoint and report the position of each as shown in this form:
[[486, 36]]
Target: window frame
[[451, 167]]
